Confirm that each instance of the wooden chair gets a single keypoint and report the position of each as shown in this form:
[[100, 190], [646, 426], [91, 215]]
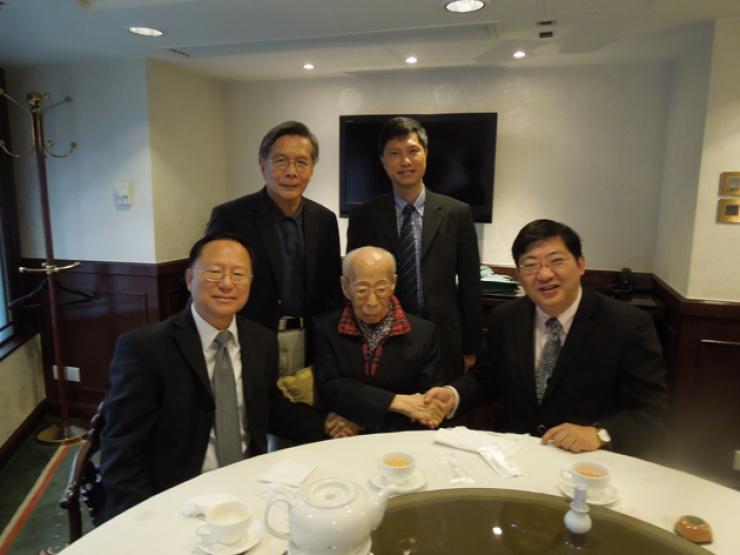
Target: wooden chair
[[84, 479]]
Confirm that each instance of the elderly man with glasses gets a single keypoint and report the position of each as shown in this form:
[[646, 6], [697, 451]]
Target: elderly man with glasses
[[295, 241], [579, 369], [373, 360]]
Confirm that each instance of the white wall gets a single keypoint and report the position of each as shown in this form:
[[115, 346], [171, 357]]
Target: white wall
[[568, 138], [683, 149], [715, 266], [186, 120], [108, 120], [22, 388]]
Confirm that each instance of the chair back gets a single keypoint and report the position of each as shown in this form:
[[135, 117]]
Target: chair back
[[84, 479]]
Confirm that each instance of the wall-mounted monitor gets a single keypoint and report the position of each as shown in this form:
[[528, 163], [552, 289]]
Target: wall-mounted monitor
[[461, 161]]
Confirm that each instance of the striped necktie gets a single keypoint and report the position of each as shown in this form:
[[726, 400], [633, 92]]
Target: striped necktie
[[228, 432], [407, 290], [549, 357]]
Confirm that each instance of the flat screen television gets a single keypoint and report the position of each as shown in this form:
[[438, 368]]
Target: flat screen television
[[461, 160]]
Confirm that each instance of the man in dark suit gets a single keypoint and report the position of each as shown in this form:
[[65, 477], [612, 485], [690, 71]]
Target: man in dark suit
[[580, 369], [433, 239], [373, 360], [295, 240], [196, 391]]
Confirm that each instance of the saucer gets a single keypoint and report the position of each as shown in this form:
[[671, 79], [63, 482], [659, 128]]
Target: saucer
[[251, 538], [417, 481], [606, 497]]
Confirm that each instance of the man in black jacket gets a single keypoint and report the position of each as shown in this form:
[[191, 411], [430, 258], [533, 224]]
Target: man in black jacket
[[164, 409]]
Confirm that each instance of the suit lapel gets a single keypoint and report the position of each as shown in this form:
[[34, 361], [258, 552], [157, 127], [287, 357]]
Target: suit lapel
[[188, 341], [268, 234], [579, 333], [388, 224], [433, 216], [311, 244], [246, 345], [523, 324]]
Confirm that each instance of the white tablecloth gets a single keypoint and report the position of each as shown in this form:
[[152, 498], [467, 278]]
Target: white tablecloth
[[647, 491]]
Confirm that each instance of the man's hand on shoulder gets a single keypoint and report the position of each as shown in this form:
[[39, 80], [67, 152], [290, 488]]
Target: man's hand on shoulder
[[572, 437]]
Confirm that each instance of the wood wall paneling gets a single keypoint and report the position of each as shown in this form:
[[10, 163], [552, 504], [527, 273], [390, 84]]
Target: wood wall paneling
[[126, 296]]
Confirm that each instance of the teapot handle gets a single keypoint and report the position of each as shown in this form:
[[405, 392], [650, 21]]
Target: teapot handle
[[273, 531]]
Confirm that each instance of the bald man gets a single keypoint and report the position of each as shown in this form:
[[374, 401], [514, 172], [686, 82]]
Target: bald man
[[373, 360]]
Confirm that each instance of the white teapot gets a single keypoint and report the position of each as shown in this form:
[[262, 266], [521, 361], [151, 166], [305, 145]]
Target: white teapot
[[331, 516]]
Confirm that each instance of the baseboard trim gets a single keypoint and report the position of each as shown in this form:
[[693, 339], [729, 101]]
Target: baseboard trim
[[22, 433]]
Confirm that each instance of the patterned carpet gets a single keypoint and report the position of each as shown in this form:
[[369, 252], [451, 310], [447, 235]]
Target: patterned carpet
[[31, 484]]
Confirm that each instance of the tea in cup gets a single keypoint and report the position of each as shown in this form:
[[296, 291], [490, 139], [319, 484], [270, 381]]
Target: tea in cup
[[397, 467], [595, 476], [226, 523]]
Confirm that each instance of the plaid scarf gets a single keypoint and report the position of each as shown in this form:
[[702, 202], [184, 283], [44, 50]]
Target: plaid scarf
[[374, 336]]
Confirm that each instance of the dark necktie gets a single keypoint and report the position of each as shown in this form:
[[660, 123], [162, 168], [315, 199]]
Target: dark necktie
[[407, 290], [228, 433], [549, 357]]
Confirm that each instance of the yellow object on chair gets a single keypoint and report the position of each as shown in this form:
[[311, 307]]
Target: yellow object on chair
[[299, 388]]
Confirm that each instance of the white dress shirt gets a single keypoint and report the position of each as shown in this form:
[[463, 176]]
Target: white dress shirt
[[207, 335], [540, 326]]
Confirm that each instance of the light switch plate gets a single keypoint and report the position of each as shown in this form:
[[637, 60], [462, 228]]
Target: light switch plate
[[123, 193]]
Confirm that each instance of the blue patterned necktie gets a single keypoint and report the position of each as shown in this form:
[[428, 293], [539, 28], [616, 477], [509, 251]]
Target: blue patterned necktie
[[407, 290], [549, 357], [228, 432]]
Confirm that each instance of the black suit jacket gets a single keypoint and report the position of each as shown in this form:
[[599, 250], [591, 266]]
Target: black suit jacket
[[250, 217], [610, 371], [408, 366], [160, 408], [449, 248]]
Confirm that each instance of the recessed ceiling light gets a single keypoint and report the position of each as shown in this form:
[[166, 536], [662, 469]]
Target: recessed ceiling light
[[464, 6], [308, 66], [145, 31], [519, 54], [411, 60]]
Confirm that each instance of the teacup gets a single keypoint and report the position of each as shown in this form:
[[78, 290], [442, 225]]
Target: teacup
[[397, 467], [226, 523], [595, 476]]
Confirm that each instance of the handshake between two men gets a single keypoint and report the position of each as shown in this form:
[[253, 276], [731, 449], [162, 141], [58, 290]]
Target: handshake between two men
[[429, 409]]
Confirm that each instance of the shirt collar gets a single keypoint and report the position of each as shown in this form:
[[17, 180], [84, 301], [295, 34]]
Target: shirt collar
[[207, 332], [400, 203], [565, 318]]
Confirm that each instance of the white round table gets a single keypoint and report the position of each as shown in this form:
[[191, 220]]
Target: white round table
[[647, 491]]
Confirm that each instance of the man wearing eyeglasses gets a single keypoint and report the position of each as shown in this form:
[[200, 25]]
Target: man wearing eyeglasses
[[374, 360], [197, 391], [295, 241], [579, 369]]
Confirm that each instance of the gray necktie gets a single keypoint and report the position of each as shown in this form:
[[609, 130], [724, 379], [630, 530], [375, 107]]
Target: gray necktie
[[549, 357], [228, 433], [407, 289]]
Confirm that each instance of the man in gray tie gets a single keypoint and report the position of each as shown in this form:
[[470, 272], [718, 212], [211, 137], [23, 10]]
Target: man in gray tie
[[196, 391], [577, 368]]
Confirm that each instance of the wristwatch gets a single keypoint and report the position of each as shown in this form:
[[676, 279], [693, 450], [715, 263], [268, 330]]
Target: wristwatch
[[604, 438]]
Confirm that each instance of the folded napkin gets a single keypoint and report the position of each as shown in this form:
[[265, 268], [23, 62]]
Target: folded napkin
[[201, 504], [463, 438], [287, 473]]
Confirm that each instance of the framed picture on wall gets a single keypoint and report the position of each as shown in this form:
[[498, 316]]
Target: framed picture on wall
[[728, 210], [729, 183]]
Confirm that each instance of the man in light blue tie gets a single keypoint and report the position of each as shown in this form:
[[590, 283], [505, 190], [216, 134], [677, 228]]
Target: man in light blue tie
[[579, 369]]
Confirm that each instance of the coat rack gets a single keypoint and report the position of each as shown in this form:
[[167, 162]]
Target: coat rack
[[63, 432]]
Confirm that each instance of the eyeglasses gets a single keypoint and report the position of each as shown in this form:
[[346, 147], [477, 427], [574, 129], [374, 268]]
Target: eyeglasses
[[532, 267], [302, 165], [215, 275], [381, 290]]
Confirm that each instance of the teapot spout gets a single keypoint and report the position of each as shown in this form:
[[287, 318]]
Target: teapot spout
[[380, 501]]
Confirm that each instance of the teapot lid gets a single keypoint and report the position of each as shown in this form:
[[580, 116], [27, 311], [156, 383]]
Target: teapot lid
[[330, 493]]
